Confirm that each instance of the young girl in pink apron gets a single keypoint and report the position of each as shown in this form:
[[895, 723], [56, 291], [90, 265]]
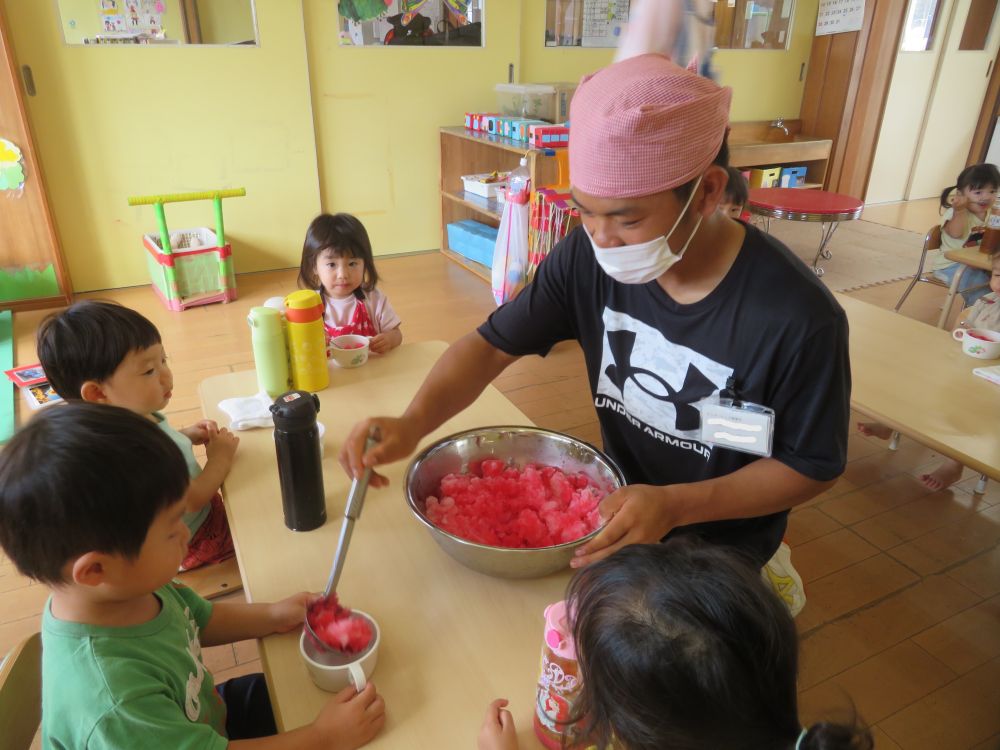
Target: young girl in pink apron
[[337, 261]]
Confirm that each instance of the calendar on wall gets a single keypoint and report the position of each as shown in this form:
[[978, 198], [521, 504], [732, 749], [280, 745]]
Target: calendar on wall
[[585, 23], [837, 16]]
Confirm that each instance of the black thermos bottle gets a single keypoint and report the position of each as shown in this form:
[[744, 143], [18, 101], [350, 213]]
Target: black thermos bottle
[[296, 440]]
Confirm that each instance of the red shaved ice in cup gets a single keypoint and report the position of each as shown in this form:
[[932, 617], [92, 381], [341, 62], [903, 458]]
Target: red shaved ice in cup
[[512, 502], [349, 350], [339, 645]]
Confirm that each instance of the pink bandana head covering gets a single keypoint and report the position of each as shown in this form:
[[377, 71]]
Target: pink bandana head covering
[[642, 126]]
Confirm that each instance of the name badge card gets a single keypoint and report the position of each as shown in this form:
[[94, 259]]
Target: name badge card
[[738, 425]]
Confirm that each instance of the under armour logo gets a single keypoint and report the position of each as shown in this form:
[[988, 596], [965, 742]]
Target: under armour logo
[[696, 386]]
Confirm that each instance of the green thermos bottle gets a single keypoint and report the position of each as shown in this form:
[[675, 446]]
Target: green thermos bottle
[[270, 351]]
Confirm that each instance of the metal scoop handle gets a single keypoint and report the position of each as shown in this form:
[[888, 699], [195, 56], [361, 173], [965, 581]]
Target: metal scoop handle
[[352, 511]]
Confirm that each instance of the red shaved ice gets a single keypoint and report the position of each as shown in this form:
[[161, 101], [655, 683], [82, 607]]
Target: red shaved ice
[[503, 506], [338, 627]]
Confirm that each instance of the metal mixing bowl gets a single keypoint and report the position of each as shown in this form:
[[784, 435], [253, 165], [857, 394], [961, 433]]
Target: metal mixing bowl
[[513, 445]]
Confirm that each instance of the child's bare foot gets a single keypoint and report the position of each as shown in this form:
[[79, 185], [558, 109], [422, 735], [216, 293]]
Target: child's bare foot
[[943, 476], [875, 429]]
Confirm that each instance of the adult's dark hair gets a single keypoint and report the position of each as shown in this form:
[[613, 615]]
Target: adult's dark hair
[[974, 177], [721, 160], [84, 478], [683, 646], [737, 189], [344, 235], [88, 341]]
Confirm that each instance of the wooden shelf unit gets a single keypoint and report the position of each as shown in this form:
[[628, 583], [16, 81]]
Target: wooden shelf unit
[[759, 144], [465, 152]]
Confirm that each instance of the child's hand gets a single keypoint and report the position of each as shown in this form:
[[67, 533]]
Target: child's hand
[[351, 719], [202, 432], [222, 446], [290, 613], [498, 731], [959, 202], [383, 342]]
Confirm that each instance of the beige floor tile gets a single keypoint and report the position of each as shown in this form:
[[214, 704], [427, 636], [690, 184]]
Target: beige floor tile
[[219, 658], [806, 524], [880, 686], [842, 644], [873, 499], [951, 544], [246, 651], [968, 639], [981, 573], [916, 518], [830, 553], [238, 671], [962, 714], [853, 587]]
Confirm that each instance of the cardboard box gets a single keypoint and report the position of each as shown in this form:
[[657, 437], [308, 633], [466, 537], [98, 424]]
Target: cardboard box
[[793, 176], [765, 178]]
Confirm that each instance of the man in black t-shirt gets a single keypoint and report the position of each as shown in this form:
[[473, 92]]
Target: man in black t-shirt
[[671, 302]]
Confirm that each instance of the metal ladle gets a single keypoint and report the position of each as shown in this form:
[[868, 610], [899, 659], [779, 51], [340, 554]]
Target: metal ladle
[[352, 511]]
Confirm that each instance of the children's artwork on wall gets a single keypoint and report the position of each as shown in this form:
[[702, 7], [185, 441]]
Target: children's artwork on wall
[[430, 23], [585, 23], [11, 167]]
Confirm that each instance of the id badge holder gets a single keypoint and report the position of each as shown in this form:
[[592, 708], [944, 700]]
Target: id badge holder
[[738, 425]]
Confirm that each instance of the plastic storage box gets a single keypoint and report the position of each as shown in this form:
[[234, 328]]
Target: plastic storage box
[[473, 240], [475, 184], [537, 101]]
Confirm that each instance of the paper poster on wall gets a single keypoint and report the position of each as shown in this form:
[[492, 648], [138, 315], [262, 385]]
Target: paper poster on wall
[[11, 167], [431, 23], [838, 16], [585, 23]]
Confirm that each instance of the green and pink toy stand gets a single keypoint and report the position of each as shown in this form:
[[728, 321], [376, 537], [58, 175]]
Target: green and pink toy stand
[[193, 266]]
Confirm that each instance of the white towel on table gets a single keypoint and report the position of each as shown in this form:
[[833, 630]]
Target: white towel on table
[[249, 412]]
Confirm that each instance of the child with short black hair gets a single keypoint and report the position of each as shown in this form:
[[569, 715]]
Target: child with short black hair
[[91, 505], [338, 262], [737, 194], [106, 353], [682, 645]]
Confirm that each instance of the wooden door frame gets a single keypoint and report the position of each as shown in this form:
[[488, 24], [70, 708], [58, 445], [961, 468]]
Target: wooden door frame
[[987, 116], [8, 63], [858, 99]]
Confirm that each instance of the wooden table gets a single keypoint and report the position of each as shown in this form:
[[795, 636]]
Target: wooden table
[[796, 204], [452, 639], [969, 257], [915, 379]]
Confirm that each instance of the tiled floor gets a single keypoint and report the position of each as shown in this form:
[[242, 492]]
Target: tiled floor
[[903, 615]]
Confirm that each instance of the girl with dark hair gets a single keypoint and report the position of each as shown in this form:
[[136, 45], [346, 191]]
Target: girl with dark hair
[[682, 646], [967, 204], [337, 260]]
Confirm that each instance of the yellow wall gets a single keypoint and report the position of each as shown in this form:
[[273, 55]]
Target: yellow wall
[[225, 21], [88, 18], [300, 121], [378, 111], [118, 121], [765, 82]]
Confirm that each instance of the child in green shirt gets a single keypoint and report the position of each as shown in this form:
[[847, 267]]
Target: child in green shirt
[[91, 504]]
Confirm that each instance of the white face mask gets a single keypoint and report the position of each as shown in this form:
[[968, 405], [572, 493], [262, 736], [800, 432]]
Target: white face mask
[[640, 264]]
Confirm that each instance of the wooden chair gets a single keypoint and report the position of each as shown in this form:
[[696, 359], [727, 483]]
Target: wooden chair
[[211, 581], [932, 241], [21, 694]]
